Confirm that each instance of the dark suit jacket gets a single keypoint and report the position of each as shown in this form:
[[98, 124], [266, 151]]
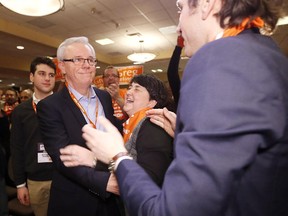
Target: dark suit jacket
[[78, 190], [154, 150], [231, 139]]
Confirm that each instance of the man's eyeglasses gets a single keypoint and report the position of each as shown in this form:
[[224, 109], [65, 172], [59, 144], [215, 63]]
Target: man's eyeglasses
[[80, 61]]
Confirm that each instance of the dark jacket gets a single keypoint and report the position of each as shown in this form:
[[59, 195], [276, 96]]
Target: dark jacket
[[25, 142], [78, 190]]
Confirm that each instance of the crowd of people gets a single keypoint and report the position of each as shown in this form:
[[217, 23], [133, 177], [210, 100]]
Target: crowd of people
[[82, 150]]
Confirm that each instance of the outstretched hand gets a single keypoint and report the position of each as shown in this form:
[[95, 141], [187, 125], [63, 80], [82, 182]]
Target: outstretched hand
[[105, 145], [163, 118]]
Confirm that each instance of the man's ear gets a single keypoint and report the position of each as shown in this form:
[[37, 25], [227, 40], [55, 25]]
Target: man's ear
[[31, 77], [61, 67], [208, 7], [152, 103]]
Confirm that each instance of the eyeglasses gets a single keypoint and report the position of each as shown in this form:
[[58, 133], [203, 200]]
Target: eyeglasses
[[80, 61]]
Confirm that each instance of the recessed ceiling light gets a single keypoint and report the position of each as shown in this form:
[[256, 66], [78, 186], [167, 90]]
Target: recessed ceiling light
[[168, 29], [154, 71], [98, 67], [104, 41], [20, 47], [0, 80], [159, 70]]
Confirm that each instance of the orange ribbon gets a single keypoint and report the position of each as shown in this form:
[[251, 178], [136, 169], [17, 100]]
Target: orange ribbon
[[245, 24], [132, 122], [82, 109]]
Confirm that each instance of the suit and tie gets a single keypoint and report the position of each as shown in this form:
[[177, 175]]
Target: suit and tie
[[76, 190], [231, 136]]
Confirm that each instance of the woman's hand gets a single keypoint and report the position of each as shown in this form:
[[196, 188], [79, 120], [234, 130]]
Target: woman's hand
[[163, 118]]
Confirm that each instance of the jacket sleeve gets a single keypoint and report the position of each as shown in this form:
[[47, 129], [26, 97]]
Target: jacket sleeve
[[227, 117], [17, 142]]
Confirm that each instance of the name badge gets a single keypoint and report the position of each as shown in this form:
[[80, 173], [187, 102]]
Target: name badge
[[42, 155]]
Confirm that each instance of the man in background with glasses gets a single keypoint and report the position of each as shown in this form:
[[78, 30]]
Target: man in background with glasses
[[111, 78], [81, 190]]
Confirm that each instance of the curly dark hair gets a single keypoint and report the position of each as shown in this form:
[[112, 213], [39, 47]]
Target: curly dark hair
[[156, 89]]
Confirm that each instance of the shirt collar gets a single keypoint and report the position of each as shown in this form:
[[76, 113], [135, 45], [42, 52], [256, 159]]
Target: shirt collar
[[36, 100], [79, 96]]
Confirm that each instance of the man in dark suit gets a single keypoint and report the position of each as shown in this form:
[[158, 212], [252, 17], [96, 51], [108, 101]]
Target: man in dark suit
[[80, 190], [231, 140]]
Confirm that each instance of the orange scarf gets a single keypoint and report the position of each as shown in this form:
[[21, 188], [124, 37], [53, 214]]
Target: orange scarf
[[257, 22], [132, 122]]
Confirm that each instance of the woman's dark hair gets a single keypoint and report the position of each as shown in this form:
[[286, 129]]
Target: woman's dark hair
[[41, 60], [156, 89], [236, 10]]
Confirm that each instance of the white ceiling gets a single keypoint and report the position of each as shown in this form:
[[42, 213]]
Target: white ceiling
[[96, 19]]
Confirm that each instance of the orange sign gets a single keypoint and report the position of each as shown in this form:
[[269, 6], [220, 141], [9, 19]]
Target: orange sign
[[127, 72], [59, 76], [98, 82]]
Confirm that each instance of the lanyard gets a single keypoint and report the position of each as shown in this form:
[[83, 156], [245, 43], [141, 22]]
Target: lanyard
[[34, 106], [82, 109]]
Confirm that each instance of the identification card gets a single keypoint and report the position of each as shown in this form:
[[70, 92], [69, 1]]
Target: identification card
[[43, 156]]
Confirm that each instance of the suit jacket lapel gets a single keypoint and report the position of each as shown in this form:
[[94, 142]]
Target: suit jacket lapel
[[73, 107]]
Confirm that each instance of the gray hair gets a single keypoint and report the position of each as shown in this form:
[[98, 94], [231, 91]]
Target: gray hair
[[62, 47]]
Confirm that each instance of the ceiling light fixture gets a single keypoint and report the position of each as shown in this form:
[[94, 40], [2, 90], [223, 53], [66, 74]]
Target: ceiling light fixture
[[141, 57], [20, 47], [33, 7], [283, 21], [104, 41]]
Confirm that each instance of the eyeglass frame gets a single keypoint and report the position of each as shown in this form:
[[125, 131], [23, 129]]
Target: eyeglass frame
[[81, 61]]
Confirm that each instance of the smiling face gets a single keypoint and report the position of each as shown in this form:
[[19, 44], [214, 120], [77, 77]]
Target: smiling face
[[110, 76], [198, 23], [136, 99], [78, 76]]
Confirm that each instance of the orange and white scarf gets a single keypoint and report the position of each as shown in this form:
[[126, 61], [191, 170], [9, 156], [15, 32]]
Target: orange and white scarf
[[245, 24], [132, 122]]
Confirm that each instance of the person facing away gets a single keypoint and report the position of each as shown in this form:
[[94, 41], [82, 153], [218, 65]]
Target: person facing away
[[111, 78], [231, 138], [25, 95], [32, 166], [79, 190]]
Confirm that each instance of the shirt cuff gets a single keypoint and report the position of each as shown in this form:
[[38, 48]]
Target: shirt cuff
[[117, 162], [21, 185]]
